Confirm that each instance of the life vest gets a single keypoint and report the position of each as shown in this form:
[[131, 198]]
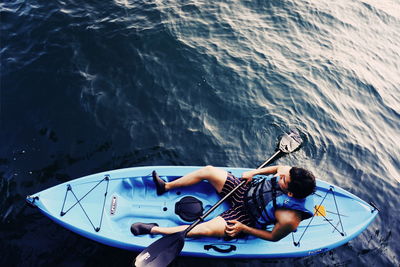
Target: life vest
[[264, 197]]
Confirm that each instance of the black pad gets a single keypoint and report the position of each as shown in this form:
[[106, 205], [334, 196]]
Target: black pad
[[189, 208]]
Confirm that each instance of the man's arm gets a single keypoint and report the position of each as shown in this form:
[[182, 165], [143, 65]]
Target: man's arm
[[287, 223], [267, 170], [279, 231]]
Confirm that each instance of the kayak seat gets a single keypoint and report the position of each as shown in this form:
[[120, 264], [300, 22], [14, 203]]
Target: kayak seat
[[189, 208]]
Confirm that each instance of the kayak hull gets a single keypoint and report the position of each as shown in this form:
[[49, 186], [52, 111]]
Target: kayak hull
[[103, 206]]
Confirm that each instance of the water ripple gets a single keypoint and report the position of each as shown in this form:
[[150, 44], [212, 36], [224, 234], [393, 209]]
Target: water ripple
[[88, 86]]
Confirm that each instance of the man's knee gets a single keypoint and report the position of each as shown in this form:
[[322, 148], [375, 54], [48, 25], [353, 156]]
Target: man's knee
[[201, 230], [214, 227], [209, 169]]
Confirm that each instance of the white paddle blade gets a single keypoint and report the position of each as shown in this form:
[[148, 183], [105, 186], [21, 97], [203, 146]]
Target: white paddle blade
[[290, 142]]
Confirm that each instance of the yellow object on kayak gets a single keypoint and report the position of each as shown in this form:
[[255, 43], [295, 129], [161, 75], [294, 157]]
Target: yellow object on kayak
[[319, 210]]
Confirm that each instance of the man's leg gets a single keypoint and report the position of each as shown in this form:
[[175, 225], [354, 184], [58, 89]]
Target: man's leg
[[214, 227], [215, 176]]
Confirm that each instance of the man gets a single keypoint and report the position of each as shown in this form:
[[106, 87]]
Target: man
[[280, 201]]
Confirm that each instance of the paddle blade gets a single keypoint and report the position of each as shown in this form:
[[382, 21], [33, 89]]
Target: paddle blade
[[162, 251], [290, 142]]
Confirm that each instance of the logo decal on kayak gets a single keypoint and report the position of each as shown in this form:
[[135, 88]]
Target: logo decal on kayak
[[143, 257], [113, 205]]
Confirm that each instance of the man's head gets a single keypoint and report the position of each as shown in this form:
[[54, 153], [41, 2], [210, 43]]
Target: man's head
[[297, 182]]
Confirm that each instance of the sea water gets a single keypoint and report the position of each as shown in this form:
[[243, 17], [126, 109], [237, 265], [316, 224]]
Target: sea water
[[89, 86]]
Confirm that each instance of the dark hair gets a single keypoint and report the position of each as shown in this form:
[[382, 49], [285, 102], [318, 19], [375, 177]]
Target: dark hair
[[302, 182]]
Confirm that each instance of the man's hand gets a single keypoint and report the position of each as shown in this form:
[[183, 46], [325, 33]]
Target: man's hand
[[248, 176], [234, 228]]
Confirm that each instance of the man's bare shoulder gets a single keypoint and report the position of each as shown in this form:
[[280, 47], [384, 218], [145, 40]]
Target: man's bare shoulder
[[289, 217]]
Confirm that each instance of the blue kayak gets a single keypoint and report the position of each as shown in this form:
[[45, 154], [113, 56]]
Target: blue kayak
[[103, 206]]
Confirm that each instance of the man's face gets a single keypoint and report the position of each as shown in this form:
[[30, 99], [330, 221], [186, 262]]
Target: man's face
[[283, 176]]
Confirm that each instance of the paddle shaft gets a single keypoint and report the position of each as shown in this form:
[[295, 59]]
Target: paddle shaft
[[271, 158], [201, 219]]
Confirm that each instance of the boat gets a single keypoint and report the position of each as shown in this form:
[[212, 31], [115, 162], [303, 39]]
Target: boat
[[103, 206]]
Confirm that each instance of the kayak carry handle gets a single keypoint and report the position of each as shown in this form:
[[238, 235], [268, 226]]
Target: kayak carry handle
[[374, 207], [30, 200], [220, 250]]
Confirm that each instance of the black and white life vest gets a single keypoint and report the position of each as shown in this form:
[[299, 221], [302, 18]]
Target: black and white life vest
[[265, 196]]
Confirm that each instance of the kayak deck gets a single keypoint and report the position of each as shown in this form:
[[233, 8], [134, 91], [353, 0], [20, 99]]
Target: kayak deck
[[103, 206]]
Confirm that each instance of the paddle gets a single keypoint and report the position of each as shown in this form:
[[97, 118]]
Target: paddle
[[164, 250]]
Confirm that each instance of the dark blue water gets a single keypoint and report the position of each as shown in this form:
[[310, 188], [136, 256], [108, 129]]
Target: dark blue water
[[89, 86]]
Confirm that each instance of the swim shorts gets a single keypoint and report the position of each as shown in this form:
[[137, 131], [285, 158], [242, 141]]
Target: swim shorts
[[238, 210]]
